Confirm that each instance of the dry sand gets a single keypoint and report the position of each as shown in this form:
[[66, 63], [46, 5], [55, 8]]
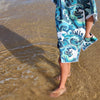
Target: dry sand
[[29, 56]]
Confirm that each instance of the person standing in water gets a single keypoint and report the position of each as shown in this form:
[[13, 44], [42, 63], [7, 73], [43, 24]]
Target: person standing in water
[[74, 20]]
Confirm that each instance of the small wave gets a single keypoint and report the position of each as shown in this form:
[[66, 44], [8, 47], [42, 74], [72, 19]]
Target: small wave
[[29, 45]]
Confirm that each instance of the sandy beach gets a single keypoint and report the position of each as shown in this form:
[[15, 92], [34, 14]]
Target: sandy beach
[[29, 55]]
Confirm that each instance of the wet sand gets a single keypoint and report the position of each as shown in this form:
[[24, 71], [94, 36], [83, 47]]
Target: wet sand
[[29, 56]]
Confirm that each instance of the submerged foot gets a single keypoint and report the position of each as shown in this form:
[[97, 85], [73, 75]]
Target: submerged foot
[[58, 92]]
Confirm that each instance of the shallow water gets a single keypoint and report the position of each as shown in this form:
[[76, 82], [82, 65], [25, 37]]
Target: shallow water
[[29, 56]]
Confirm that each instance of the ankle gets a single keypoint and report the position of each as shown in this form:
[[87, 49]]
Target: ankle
[[60, 87]]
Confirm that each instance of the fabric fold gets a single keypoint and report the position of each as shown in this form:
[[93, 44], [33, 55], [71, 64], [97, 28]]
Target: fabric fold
[[54, 1], [90, 9], [87, 42]]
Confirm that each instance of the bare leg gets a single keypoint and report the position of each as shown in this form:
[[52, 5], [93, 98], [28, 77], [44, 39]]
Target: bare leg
[[65, 69], [89, 24], [59, 60], [58, 77]]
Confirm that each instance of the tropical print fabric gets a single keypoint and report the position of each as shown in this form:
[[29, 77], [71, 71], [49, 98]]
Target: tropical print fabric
[[70, 18]]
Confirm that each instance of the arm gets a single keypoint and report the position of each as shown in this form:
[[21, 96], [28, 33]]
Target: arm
[[89, 24], [90, 10]]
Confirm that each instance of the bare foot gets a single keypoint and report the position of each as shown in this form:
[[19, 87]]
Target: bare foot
[[57, 92]]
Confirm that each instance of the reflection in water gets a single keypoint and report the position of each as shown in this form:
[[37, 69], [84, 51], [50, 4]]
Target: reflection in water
[[5, 4]]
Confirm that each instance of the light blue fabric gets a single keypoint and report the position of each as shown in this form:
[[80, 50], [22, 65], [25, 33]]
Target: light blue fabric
[[70, 18]]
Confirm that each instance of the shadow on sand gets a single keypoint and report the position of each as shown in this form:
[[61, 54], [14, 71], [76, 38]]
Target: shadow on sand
[[24, 51]]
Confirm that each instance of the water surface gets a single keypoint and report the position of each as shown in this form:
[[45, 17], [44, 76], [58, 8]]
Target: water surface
[[29, 56]]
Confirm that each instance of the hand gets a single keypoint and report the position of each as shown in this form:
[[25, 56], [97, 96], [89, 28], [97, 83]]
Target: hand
[[88, 35]]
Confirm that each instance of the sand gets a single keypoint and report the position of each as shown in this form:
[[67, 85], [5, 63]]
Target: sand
[[29, 56]]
